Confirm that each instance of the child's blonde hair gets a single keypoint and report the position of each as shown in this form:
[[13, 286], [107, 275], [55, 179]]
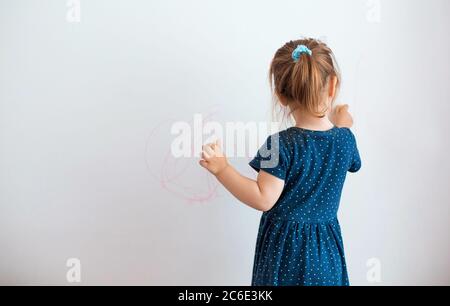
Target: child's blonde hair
[[301, 80]]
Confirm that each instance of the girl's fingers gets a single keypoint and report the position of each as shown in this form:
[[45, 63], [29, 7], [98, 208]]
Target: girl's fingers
[[209, 150], [206, 146], [206, 156], [217, 144], [203, 163], [342, 108]]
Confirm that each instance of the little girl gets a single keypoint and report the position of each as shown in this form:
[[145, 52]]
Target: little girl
[[299, 240]]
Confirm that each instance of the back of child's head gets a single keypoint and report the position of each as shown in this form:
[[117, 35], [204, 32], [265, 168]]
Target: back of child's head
[[300, 73]]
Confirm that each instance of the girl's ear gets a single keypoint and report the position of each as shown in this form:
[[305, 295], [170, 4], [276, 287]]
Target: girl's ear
[[332, 83]]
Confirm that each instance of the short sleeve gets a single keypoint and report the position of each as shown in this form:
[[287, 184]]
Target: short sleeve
[[355, 165], [271, 158]]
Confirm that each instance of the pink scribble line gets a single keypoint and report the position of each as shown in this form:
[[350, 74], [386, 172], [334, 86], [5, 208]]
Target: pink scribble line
[[167, 177]]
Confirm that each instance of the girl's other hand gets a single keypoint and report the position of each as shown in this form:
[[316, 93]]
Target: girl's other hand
[[341, 117], [213, 159]]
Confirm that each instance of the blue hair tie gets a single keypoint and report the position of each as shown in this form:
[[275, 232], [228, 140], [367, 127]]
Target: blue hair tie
[[299, 51]]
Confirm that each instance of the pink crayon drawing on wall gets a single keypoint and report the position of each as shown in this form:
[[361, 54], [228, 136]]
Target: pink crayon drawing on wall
[[179, 176]]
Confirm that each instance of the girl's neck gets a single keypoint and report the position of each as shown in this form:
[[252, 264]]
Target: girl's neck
[[305, 120]]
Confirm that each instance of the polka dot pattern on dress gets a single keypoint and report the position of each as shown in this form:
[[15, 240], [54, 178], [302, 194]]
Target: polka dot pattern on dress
[[299, 240]]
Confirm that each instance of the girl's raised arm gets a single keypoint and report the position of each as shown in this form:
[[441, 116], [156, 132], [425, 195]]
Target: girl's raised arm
[[261, 194]]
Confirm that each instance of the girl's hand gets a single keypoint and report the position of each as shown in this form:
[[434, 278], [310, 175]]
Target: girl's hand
[[213, 159], [341, 117]]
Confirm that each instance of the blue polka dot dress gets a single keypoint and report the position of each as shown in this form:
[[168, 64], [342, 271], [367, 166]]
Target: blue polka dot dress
[[299, 241]]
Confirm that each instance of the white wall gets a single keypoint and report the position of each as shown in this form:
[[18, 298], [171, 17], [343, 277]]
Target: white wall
[[85, 115]]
